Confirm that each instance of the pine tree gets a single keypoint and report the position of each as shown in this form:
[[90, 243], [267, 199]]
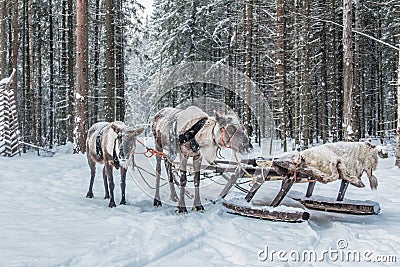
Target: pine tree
[[82, 82]]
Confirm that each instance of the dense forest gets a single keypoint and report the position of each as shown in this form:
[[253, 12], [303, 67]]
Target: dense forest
[[328, 68]]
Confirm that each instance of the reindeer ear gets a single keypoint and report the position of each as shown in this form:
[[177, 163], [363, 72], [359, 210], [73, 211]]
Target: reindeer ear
[[116, 128], [136, 132], [219, 116]]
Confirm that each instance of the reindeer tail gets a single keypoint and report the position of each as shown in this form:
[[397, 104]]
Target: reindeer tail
[[373, 182]]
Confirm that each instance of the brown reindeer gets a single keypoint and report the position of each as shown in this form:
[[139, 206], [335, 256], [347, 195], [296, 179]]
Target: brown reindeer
[[192, 133], [110, 144]]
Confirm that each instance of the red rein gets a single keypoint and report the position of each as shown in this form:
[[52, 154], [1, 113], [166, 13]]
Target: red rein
[[226, 145]]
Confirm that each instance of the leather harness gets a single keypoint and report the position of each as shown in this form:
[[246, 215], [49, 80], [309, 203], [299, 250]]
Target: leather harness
[[189, 135]]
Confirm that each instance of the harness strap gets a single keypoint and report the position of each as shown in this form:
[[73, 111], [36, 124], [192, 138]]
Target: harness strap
[[228, 143], [115, 156], [99, 151], [189, 135]]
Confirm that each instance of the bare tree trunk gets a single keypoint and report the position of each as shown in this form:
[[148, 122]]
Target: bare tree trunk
[[357, 84], [248, 65], [96, 72], [71, 75], [306, 81], [31, 96], [110, 62], [324, 93], [119, 63], [398, 115], [15, 50], [51, 82], [347, 71], [63, 73], [3, 39], [281, 72], [40, 94], [82, 78]]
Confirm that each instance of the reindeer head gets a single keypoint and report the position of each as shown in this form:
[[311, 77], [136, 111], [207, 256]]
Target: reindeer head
[[126, 140], [231, 133]]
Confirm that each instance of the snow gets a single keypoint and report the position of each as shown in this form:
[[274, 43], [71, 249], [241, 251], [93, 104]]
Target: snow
[[5, 81], [45, 220]]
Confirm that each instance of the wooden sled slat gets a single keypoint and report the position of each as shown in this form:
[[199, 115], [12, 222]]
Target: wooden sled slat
[[351, 208], [266, 214]]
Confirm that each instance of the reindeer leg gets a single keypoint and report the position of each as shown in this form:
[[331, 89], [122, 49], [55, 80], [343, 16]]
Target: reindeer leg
[[123, 185], [111, 184], [173, 195], [92, 165], [183, 181], [106, 191], [352, 179], [197, 202], [157, 200]]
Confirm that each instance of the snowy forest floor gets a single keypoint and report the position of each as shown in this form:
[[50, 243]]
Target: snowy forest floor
[[45, 220]]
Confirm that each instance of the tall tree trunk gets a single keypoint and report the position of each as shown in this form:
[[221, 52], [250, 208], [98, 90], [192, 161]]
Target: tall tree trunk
[[248, 66], [119, 63], [31, 95], [281, 71], [82, 78], [110, 62], [3, 39], [39, 107], [347, 71], [63, 72], [306, 82], [357, 84], [324, 87], [97, 67], [51, 70], [71, 75], [297, 76], [15, 50], [398, 114], [25, 74]]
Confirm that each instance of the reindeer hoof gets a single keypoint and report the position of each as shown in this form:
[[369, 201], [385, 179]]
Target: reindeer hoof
[[123, 202], [112, 204], [106, 197], [89, 195], [182, 210], [359, 183], [198, 208], [157, 203]]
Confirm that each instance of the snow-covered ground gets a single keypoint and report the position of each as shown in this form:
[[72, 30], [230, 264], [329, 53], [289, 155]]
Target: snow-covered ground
[[45, 220]]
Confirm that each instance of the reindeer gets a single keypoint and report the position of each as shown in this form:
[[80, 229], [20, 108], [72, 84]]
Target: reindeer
[[331, 161], [192, 133], [110, 144]]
